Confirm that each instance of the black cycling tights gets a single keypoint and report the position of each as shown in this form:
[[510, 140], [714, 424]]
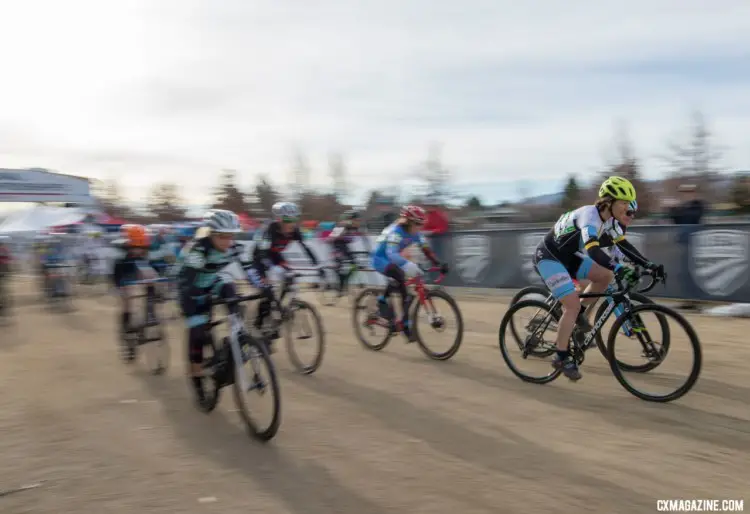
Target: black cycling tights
[[398, 284], [200, 336]]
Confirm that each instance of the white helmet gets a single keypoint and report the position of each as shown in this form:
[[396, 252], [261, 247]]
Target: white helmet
[[285, 211], [222, 222]]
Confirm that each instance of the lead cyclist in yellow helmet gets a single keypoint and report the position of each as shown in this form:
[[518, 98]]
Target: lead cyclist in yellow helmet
[[573, 248]]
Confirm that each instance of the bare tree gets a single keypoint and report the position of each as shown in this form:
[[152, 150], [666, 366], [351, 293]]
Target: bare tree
[[228, 194], [110, 198], [299, 175], [165, 203], [436, 176], [696, 158], [337, 169], [627, 165], [265, 194]]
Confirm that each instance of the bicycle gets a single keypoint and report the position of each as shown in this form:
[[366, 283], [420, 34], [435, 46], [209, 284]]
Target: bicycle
[[285, 311], [149, 330], [636, 297], [425, 296], [5, 296], [226, 367], [655, 352], [58, 285], [331, 289]]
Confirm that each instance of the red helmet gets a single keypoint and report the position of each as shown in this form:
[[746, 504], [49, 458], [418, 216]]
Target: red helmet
[[414, 214]]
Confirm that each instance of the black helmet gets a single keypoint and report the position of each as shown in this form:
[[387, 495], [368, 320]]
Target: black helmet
[[351, 214]]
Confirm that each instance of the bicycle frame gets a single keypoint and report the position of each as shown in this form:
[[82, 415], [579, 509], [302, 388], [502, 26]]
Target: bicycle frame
[[618, 298], [421, 288], [236, 327]]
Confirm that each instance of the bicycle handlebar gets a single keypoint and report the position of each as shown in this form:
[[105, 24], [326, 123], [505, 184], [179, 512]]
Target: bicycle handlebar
[[146, 281], [653, 279], [432, 270]]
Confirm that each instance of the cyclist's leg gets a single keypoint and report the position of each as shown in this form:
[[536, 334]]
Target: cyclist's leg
[[599, 278], [258, 278], [560, 284], [127, 294], [381, 264], [197, 315]]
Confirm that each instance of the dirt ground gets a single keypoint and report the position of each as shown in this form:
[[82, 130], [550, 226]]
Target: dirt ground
[[369, 433]]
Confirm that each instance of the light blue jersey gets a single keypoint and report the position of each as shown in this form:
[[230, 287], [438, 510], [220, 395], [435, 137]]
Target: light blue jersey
[[389, 245]]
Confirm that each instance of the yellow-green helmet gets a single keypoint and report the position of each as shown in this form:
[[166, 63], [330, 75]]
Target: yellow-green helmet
[[618, 188]]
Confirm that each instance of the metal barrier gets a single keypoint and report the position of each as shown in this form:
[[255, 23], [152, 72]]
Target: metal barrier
[[704, 262]]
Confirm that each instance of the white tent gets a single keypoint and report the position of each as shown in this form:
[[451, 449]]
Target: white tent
[[30, 221]]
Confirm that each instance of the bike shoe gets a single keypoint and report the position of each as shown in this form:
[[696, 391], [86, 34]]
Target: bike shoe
[[409, 333], [568, 366]]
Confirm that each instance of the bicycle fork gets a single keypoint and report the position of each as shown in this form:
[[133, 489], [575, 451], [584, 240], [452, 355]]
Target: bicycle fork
[[627, 327]]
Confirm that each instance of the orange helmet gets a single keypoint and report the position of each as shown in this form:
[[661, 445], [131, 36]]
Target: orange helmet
[[136, 235]]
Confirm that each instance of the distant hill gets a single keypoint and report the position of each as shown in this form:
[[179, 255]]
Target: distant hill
[[545, 200]]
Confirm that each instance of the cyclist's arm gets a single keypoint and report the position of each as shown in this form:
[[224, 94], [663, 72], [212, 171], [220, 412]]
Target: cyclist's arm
[[426, 250], [631, 252], [118, 272], [298, 237], [193, 264]]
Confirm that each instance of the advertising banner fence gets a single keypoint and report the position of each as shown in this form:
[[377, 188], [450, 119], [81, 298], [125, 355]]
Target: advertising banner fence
[[703, 262]]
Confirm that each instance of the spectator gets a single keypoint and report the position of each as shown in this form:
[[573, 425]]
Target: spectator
[[688, 212], [690, 209], [437, 224], [437, 221], [385, 214]]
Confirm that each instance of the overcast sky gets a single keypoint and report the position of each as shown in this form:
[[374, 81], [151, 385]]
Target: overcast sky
[[149, 90]]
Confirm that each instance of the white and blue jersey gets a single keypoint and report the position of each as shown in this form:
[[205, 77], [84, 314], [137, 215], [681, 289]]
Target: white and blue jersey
[[575, 243], [390, 243]]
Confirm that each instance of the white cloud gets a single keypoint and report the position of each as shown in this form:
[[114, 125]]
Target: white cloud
[[175, 90]]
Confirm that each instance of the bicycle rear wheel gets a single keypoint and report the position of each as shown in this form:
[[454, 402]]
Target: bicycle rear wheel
[[304, 317], [258, 359], [532, 347], [372, 323], [538, 293], [655, 351]]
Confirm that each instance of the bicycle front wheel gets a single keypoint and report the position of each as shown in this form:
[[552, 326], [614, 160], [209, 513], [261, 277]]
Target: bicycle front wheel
[[303, 330], [635, 299], [438, 322], [261, 381], [674, 352]]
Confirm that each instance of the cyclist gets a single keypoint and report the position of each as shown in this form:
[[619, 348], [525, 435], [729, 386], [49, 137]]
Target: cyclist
[[130, 268], [90, 250], [270, 241], [387, 260], [5, 256], [345, 232], [5, 268], [159, 253], [573, 248], [199, 280], [184, 236], [55, 256]]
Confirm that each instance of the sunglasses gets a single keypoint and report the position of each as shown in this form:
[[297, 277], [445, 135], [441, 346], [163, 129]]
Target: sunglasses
[[630, 213]]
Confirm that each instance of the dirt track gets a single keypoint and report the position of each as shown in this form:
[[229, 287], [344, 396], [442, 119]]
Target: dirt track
[[369, 433]]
